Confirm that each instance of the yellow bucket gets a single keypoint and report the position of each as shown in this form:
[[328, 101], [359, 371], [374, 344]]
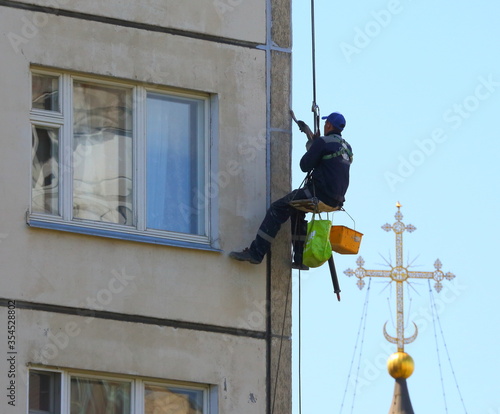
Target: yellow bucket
[[345, 240]]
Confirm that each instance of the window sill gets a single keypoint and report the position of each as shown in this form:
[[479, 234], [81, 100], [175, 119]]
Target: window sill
[[184, 241]]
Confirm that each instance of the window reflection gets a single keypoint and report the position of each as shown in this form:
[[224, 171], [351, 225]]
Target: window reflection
[[92, 163], [102, 153], [99, 396], [45, 92], [176, 196], [45, 170], [171, 400]]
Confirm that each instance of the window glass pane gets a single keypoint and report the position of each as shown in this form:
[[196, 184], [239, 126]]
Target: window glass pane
[[45, 92], [102, 153], [99, 396], [172, 400], [176, 196], [44, 392], [45, 170]]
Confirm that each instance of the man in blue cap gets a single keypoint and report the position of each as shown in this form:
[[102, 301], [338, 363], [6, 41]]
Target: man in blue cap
[[327, 162]]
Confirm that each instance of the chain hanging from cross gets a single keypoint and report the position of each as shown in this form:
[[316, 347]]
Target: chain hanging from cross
[[399, 274]]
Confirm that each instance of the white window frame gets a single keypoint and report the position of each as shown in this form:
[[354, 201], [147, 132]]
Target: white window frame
[[63, 120], [137, 389]]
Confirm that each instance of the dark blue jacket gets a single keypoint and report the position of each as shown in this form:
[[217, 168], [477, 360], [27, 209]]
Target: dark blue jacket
[[329, 159]]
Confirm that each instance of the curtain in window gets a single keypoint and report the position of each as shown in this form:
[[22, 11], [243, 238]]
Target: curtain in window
[[45, 92], [176, 199], [102, 153], [45, 170], [170, 400], [95, 396]]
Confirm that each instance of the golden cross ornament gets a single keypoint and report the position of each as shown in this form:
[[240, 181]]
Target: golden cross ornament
[[399, 274]]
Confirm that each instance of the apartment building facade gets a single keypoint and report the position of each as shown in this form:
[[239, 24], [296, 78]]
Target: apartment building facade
[[143, 141]]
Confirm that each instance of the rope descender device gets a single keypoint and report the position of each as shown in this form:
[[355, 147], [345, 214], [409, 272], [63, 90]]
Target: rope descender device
[[315, 111]]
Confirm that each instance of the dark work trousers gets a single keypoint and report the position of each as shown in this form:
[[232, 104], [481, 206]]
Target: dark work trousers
[[277, 214]]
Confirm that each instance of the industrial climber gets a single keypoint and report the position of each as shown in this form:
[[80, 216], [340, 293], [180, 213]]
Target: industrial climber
[[326, 162]]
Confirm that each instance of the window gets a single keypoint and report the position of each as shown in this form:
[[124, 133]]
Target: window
[[44, 392], [172, 399], [120, 160], [109, 395], [95, 395]]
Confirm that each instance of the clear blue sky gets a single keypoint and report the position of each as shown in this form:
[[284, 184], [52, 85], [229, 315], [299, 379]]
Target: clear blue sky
[[419, 85]]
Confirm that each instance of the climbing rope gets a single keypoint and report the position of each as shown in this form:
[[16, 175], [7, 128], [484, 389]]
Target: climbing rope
[[435, 318], [281, 345], [315, 107], [316, 112], [282, 336], [361, 331], [300, 347]]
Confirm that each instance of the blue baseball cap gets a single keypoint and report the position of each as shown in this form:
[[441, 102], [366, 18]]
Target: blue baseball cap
[[336, 119]]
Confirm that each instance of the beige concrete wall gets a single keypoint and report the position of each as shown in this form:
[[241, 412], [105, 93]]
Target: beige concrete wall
[[233, 19], [78, 271], [124, 348], [65, 268]]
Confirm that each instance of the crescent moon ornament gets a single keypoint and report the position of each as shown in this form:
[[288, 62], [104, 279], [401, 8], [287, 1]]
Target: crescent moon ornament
[[390, 338], [413, 337], [393, 340]]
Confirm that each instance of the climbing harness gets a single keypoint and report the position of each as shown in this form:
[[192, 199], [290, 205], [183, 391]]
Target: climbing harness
[[312, 204], [344, 150]]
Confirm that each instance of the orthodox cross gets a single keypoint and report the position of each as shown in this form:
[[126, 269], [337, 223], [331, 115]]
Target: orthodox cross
[[399, 274]]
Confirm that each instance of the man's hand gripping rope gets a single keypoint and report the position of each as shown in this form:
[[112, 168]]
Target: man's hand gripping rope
[[304, 127]]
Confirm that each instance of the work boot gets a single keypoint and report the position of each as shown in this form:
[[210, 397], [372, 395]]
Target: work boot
[[297, 257], [244, 256], [299, 266]]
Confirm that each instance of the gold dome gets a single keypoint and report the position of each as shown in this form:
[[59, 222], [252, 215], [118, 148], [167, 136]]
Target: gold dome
[[400, 365]]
